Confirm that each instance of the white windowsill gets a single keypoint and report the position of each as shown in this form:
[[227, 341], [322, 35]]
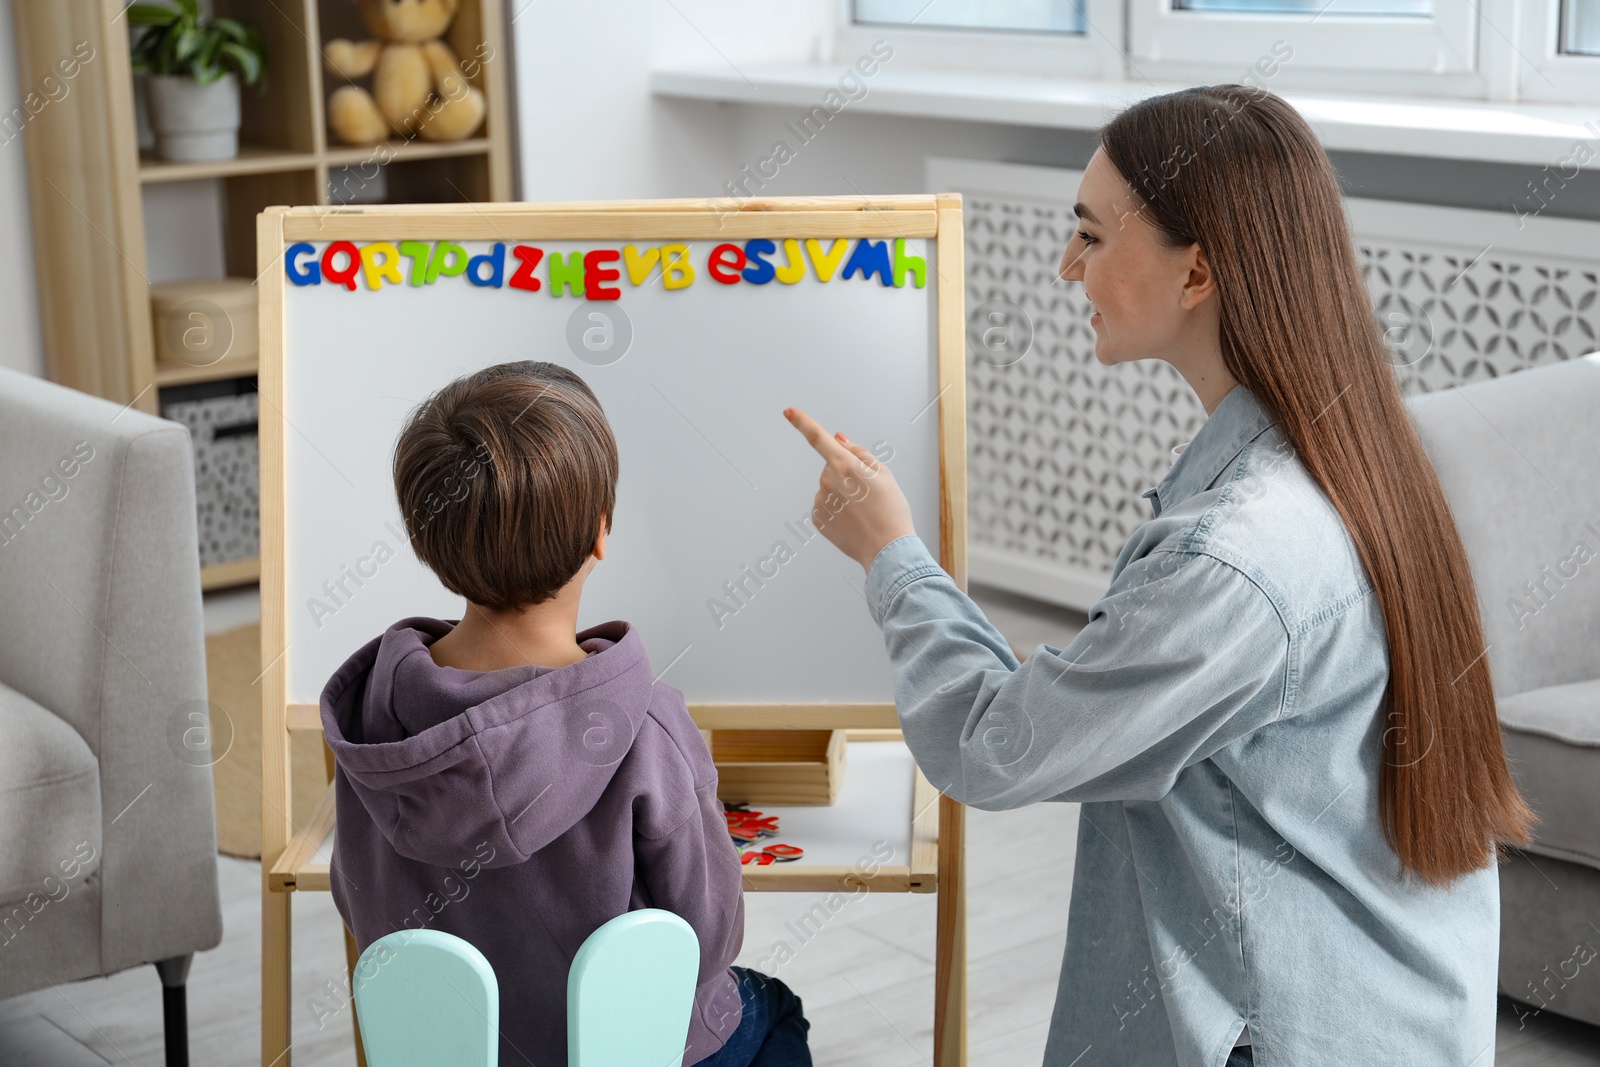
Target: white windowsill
[[1537, 134]]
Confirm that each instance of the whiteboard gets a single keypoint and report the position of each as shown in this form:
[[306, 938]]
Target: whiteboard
[[712, 477]]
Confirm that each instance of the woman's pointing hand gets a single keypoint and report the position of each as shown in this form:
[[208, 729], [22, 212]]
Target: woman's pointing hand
[[859, 506]]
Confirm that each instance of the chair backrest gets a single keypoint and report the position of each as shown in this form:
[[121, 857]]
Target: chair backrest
[[1515, 456], [630, 992], [426, 998]]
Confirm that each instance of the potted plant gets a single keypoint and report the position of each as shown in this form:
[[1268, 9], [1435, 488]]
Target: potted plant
[[194, 67]]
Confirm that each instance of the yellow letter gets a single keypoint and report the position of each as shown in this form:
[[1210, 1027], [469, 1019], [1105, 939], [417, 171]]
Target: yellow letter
[[795, 267], [826, 264], [639, 266], [676, 270], [389, 268]]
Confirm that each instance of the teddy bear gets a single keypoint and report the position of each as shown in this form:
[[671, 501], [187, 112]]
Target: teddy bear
[[418, 88]]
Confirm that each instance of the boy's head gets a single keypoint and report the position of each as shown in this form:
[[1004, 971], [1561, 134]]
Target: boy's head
[[505, 479]]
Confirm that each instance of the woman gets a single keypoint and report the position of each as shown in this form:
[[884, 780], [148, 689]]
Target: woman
[[1279, 718]]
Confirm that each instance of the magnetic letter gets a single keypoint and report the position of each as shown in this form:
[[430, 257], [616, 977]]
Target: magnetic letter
[[306, 274], [676, 270], [594, 274], [760, 272], [527, 259], [417, 252], [869, 258], [639, 264], [720, 267], [448, 260], [495, 260], [345, 276], [794, 267], [378, 271], [566, 273], [826, 263], [902, 263]]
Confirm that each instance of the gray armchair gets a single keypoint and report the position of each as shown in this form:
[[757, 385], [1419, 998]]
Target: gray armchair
[[1519, 458], [107, 832]]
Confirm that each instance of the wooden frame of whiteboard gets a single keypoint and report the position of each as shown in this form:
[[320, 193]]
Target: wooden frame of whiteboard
[[936, 863]]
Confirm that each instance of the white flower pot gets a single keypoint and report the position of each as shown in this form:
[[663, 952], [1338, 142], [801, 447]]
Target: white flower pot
[[194, 122]]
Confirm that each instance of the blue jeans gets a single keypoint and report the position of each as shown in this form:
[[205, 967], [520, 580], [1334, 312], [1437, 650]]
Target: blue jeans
[[1240, 1057], [772, 1031]]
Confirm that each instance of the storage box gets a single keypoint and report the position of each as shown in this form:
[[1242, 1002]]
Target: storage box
[[221, 417], [204, 321], [778, 766]]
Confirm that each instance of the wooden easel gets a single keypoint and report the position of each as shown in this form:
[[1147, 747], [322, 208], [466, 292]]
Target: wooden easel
[[289, 846]]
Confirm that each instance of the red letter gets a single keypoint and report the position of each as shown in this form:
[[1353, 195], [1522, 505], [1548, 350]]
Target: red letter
[[594, 274], [346, 277], [523, 277], [722, 269]]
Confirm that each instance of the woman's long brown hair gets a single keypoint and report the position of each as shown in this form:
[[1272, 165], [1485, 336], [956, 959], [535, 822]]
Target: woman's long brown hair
[[1237, 170]]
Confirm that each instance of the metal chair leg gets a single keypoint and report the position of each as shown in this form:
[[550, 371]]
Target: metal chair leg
[[174, 974]]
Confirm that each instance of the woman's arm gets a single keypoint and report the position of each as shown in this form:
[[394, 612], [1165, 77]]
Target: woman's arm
[[1183, 655]]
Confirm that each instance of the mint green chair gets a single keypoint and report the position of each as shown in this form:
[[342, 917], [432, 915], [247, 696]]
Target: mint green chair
[[429, 999], [426, 998], [630, 992]]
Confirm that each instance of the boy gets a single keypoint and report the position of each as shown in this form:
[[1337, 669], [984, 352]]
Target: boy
[[514, 783]]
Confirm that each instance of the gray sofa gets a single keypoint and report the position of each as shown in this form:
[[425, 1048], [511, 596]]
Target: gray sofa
[[107, 835], [1519, 458]]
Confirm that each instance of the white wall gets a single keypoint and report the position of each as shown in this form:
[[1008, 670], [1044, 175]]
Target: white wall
[[19, 304]]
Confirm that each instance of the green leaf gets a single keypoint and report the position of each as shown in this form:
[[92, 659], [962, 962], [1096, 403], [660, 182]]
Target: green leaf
[[246, 62], [188, 44], [190, 8], [151, 15], [204, 74], [230, 28]]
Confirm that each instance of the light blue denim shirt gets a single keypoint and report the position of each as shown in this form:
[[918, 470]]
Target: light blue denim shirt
[[1218, 719]]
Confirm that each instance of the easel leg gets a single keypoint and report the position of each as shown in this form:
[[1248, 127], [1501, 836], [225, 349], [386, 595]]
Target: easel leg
[[950, 970], [275, 934], [352, 956]]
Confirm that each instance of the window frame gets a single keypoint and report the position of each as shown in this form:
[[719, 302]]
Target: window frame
[[1544, 73], [1095, 54]]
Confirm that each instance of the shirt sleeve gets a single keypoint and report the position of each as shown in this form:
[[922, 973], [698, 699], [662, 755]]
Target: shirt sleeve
[[1183, 655]]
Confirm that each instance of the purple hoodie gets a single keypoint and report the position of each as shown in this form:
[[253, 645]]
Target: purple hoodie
[[522, 808]]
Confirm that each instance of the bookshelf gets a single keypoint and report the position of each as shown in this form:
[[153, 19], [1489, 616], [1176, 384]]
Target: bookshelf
[[88, 181]]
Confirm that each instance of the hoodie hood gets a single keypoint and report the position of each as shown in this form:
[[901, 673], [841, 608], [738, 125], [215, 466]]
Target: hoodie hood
[[445, 759]]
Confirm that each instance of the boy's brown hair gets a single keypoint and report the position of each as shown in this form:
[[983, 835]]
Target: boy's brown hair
[[504, 477]]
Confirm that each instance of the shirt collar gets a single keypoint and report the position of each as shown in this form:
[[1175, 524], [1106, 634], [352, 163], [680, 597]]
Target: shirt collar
[[1237, 420]]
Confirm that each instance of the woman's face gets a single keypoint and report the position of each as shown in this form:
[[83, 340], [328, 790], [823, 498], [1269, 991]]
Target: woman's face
[[1144, 294]]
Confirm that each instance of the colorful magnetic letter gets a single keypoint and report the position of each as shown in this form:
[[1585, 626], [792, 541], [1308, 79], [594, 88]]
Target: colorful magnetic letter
[[346, 275], [870, 257], [795, 267], [378, 271], [902, 263], [306, 274], [760, 272], [566, 272], [448, 259], [639, 264], [417, 252], [676, 270], [594, 274], [527, 259], [495, 260], [826, 263], [721, 267]]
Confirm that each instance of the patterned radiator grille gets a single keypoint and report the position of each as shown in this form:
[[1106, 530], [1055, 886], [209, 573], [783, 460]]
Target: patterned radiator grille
[[1060, 447]]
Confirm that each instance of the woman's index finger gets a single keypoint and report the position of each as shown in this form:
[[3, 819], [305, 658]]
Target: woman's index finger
[[820, 439]]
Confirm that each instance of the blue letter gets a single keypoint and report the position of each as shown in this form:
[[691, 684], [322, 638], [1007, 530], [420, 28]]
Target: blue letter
[[759, 272], [870, 257], [495, 260], [311, 274]]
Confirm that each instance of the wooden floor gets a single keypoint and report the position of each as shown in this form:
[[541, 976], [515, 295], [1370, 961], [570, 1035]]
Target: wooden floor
[[864, 973]]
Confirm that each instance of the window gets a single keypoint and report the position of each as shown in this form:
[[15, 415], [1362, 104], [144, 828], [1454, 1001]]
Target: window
[[1040, 16], [1535, 50], [1580, 27]]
